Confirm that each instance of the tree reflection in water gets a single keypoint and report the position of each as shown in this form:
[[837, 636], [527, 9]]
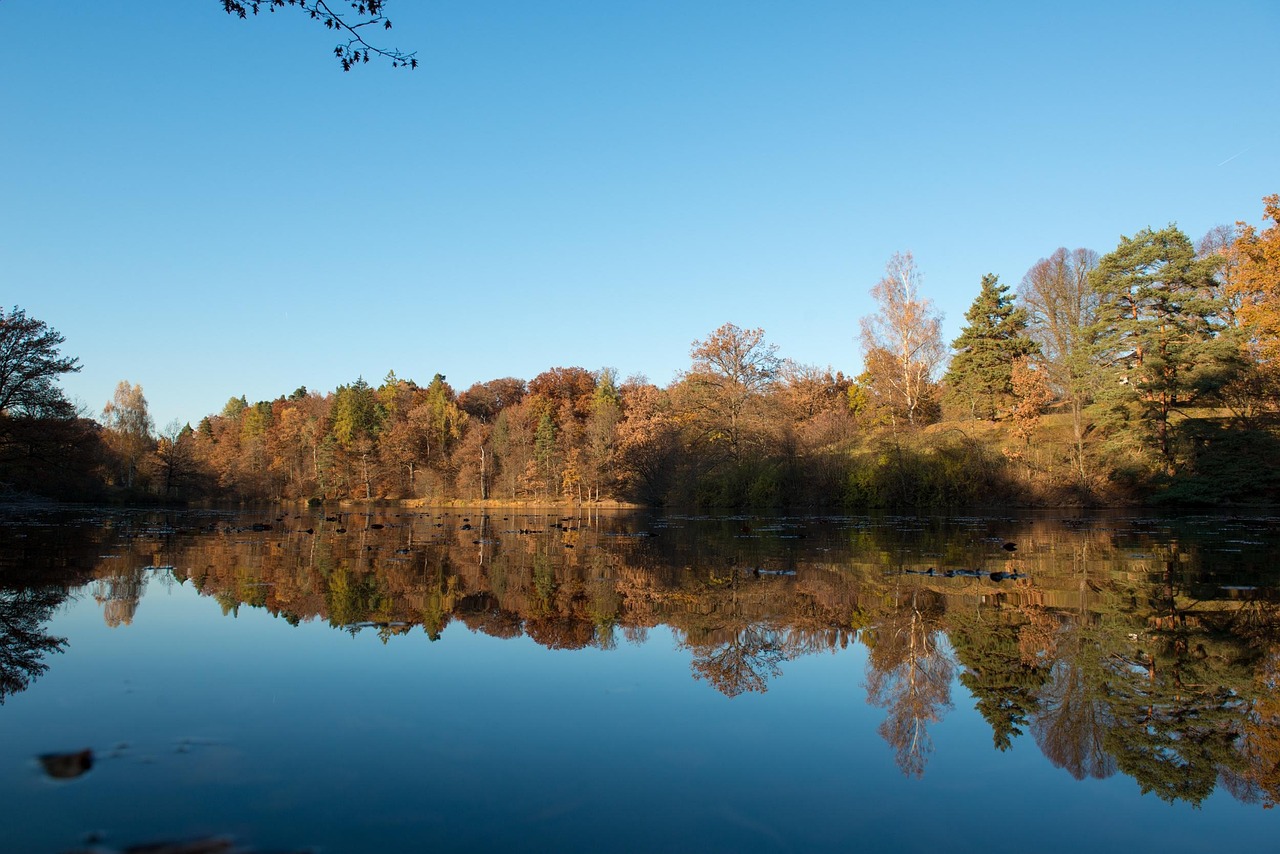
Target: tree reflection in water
[[23, 640], [746, 661], [1073, 718], [909, 675], [1126, 648]]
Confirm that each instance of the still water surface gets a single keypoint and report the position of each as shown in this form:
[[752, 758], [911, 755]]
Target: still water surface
[[453, 681]]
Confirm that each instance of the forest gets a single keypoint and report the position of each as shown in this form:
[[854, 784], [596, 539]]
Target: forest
[[1149, 374]]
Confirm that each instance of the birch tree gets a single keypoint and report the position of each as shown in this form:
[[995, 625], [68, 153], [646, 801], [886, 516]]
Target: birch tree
[[902, 343]]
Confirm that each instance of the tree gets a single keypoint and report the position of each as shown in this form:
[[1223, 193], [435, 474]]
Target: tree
[[1031, 395], [129, 427], [30, 365], [1157, 347], [44, 447], [1255, 257], [364, 15], [601, 433], [483, 401], [174, 460], [732, 369], [981, 371], [648, 442], [357, 419], [567, 389], [1062, 309], [1249, 285], [902, 343]]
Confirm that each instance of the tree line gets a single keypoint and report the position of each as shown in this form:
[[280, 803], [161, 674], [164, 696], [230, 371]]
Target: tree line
[[1148, 372]]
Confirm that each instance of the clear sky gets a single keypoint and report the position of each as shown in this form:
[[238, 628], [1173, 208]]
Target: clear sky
[[210, 207]]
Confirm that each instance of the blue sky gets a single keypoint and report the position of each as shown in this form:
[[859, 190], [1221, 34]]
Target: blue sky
[[210, 207]]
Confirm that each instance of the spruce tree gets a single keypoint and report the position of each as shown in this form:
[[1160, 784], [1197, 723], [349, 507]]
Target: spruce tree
[[981, 371]]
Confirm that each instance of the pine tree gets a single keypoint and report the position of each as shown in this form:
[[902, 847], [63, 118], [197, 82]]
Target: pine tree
[[1160, 345], [981, 371]]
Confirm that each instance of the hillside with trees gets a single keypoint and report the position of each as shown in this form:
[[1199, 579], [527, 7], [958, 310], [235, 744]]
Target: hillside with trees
[[1148, 373]]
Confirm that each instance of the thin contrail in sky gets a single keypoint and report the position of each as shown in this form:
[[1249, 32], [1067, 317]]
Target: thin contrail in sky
[[1234, 156]]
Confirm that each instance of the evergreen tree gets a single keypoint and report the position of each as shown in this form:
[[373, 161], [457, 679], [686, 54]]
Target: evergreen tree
[[981, 371], [1160, 344], [357, 413]]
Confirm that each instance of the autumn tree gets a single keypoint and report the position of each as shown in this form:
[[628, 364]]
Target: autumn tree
[[175, 459], [129, 428], [732, 371], [1219, 243], [814, 424], [1031, 395], [254, 472], [424, 430], [476, 463], [1158, 347], [299, 429], [648, 442], [902, 344], [569, 391], [480, 455], [981, 371], [1062, 309], [1255, 256], [483, 401]]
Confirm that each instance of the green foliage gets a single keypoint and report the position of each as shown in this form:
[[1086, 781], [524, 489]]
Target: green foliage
[[948, 472], [255, 420], [754, 483], [1160, 345], [1004, 685], [234, 407], [1225, 466], [981, 371], [357, 413], [351, 598]]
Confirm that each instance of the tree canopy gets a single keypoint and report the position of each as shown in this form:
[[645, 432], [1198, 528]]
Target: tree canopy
[[981, 372], [1157, 347], [30, 364]]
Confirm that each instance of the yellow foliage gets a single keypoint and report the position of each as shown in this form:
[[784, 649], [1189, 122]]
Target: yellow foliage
[[1256, 281]]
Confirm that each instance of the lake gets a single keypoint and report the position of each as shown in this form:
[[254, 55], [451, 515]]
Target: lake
[[518, 680]]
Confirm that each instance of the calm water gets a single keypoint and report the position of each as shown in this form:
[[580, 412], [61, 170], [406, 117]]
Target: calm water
[[530, 682]]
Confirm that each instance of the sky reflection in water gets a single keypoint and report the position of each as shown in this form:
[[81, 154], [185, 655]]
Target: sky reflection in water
[[314, 736]]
